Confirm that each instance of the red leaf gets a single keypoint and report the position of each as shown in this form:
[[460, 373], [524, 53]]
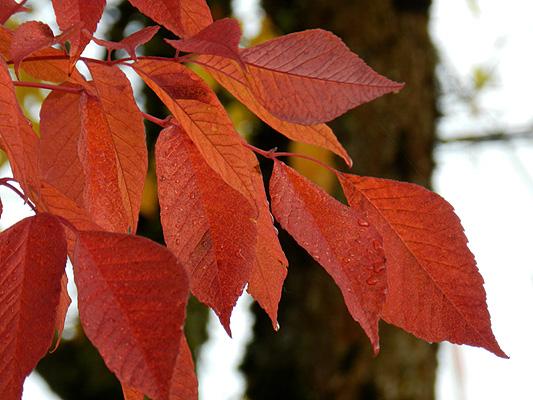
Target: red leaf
[[184, 383], [113, 151], [221, 38], [338, 238], [270, 265], [204, 119], [61, 313], [131, 296], [30, 37], [435, 289], [130, 43], [1, 208], [230, 75], [59, 163], [311, 77], [33, 254], [208, 225], [8, 8], [17, 138], [46, 70], [78, 15], [182, 17]]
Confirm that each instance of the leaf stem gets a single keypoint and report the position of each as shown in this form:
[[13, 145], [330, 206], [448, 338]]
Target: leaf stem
[[5, 182], [273, 154], [47, 86], [163, 123]]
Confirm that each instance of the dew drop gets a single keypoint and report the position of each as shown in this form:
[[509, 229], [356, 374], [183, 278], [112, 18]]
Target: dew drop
[[362, 222], [372, 281], [276, 328], [192, 195], [379, 267], [276, 230], [376, 244]]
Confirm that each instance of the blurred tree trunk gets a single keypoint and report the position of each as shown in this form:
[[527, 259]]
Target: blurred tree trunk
[[320, 352]]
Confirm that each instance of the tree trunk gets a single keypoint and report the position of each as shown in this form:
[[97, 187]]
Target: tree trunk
[[320, 352]]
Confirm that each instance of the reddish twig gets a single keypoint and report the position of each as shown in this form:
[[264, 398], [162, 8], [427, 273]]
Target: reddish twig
[[47, 86], [273, 154], [5, 182]]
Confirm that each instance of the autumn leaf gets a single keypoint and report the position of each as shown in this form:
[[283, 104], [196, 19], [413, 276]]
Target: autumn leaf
[[132, 294], [112, 150], [78, 15], [1, 208], [311, 77], [8, 8], [17, 138], [30, 37], [435, 289], [221, 38], [61, 313], [33, 254], [59, 163], [337, 237], [230, 75], [208, 225], [270, 265], [182, 17], [201, 115], [184, 383], [130, 43]]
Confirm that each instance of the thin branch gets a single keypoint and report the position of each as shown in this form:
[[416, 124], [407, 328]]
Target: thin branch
[[5, 182], [47, 86], [163, 123], [495, 136], [273, 154]]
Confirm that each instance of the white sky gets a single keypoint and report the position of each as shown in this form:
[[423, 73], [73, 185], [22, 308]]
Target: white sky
[[490, 186]]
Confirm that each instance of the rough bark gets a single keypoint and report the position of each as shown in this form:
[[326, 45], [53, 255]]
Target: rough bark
[[320, 352]]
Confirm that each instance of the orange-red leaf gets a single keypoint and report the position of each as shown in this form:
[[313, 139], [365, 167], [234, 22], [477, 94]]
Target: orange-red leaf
[[339, 238], [184, 382], [55, 70], [32, 260], [221, 38], [311, 77], [130, 43], [30, 37], [208, 225], [59, 163], [17, 138], [198, 110], [8, 8], [78, 15], [132, 294], [230, 75], [182, 17], [435, 289], [270, 265], [113, 150]]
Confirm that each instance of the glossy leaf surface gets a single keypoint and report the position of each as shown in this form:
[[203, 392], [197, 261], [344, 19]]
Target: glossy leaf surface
[[182, 17], [113, 151], [230, 75], [198, 110], [208, 225], [311, 77], [132, 294], [270, 265], [337, 237], [78, 15], [221, 38], [33, 254], [435, 289]]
